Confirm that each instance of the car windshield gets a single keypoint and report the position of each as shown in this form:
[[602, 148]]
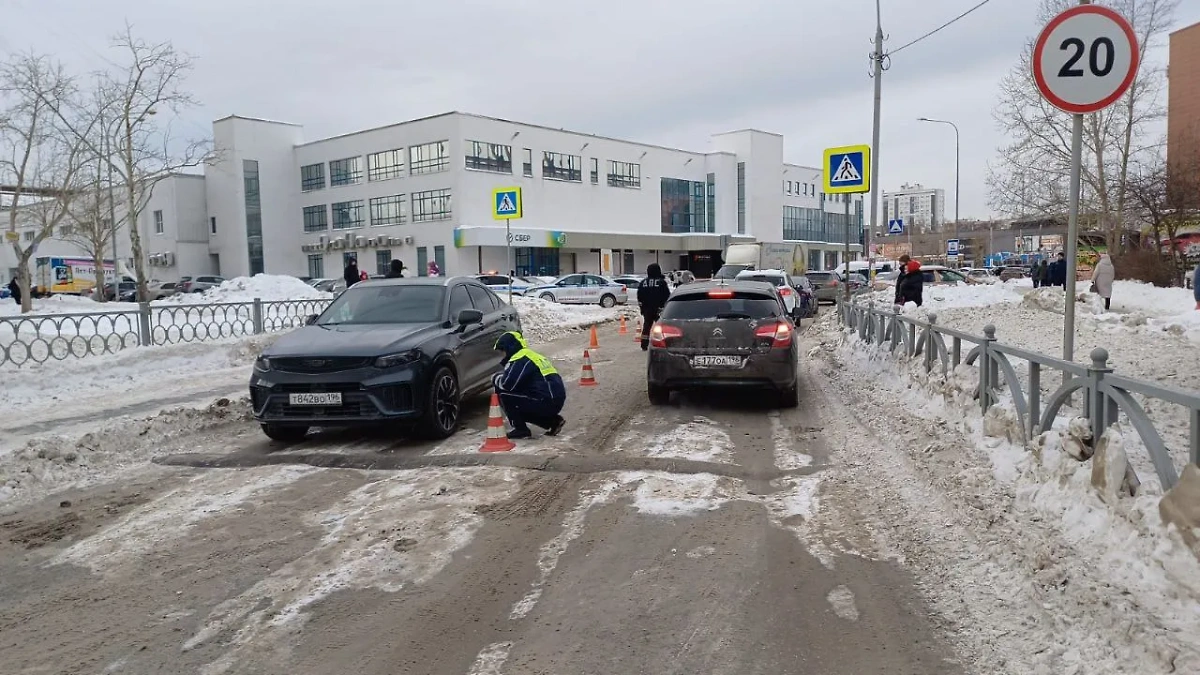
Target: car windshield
[[764, 278], [384, 304], [694, 306]]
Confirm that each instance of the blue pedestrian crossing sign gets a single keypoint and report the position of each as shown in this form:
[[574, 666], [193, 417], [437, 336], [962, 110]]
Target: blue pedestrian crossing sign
[[896, 226], [506, 203], [847, 169]]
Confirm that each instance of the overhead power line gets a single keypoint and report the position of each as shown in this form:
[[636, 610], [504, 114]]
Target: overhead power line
[[951, 21]]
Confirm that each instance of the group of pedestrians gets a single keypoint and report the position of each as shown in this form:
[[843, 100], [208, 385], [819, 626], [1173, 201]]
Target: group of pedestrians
[[1055, 274]]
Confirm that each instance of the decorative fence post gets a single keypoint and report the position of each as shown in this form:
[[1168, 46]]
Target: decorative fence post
[[988, 371], [1100, 411], [897, 326], [256, 316], [144, 336], [930, 342]]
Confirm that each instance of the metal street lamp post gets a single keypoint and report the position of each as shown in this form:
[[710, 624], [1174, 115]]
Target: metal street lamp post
[[956, 165]]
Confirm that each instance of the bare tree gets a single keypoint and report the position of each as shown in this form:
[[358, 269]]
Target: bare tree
[[1030, 175], [140, 149], [91, 226], [39, 158], [1164, 200]]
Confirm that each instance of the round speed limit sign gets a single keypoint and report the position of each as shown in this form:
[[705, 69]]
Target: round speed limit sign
[[1085, 59]]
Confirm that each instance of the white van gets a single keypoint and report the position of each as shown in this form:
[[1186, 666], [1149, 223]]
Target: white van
[[879, 266]]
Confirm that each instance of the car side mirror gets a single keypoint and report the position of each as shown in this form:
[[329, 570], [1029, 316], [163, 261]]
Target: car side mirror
[[310, 319], [469, 316]]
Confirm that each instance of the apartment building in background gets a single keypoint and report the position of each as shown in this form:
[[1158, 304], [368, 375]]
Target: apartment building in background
[[421, 191], [922, 209], [1183, 96]]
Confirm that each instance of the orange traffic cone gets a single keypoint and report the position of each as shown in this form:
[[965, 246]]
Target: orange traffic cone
[[588, 379], [497, 440], [637, 332], [623, 330], [595, 343]]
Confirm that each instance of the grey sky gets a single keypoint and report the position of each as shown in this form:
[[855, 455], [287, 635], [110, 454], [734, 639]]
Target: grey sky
[[671, 72]]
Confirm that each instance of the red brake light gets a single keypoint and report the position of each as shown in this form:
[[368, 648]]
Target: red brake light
[[780, 334], [784, 290], [659, 334], [833, 282], [720, 294]]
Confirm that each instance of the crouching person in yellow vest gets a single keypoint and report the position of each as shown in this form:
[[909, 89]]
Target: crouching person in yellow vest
[[531, 390]]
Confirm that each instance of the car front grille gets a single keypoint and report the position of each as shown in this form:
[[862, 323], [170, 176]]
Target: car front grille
[[317, 364]]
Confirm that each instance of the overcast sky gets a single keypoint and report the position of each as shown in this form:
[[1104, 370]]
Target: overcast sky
[[670, 72]]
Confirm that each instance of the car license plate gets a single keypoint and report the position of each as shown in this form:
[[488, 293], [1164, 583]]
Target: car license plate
[[334, 398], [717, 361]]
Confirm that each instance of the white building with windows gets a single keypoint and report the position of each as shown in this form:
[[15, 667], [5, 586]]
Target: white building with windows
[[922, 209], [422, 191]]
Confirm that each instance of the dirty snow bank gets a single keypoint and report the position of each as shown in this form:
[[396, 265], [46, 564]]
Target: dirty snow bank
[[52, 463], [1037, 573], [542, 320], [939, 298], [267, 287]]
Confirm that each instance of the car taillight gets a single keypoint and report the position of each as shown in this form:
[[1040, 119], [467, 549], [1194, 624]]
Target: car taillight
[[725, 295], [833, 282], [780, 334], [785, 291], [659, 334]]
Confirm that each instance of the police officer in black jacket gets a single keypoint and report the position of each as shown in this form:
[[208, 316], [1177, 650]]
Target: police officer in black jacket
[[652, 295]]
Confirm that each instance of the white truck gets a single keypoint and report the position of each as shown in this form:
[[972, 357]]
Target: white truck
[[791, 258]]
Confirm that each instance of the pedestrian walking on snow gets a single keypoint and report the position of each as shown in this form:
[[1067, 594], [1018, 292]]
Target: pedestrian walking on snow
[[1102, 279], [15, 289], [350, 274], [903, 270], [1041, 274]]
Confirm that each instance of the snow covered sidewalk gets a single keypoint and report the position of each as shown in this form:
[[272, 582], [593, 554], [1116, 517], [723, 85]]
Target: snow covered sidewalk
[[1036, 571]]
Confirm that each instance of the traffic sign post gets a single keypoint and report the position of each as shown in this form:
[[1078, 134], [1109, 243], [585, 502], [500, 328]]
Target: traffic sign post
[[847, 170], [896, 226], [508, 206], [1084, 60]]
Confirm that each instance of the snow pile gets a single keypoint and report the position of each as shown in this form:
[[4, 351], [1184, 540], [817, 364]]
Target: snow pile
[[1052, 299], [542, 320], [63, 304], [269, 287], [53, 463], [1041, 572], [937, 298]]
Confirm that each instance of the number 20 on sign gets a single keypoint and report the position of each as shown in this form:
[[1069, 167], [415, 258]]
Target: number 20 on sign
[[1085, 59]]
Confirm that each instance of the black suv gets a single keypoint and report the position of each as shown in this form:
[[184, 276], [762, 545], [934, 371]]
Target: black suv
[[403, 351]]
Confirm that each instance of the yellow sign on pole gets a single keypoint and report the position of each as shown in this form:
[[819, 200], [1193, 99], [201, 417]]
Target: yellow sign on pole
[[11, 236]]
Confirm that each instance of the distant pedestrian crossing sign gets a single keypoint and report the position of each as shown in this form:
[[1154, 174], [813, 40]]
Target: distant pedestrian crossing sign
[[506, 203], [848, 169], [896, 226]]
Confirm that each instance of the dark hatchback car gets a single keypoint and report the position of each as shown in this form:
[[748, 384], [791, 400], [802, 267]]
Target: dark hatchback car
[[724, 334], [391, 351]]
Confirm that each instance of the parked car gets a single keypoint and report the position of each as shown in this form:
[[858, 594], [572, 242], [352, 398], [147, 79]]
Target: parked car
[[404, 351], [932, 274], [723, 334], [499, 283], [680, 277], [156, 290], [112, 291], [631, 282], [1011, 273], [582, 289], [780, 280], [198, 284]]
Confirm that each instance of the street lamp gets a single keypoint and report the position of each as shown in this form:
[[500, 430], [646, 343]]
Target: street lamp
[[956, 165]]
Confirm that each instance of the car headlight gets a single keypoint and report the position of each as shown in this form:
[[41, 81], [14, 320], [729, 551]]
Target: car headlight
[[393, 360], [262, 364]]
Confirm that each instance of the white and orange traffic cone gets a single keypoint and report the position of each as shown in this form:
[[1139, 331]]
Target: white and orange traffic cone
[[595, 341], [623, 330], [588, 379], [637, 333], [497, 439]]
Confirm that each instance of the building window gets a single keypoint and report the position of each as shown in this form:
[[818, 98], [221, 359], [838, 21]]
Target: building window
[[387, 211], [439, 257], [788, 186], [348, 215], [712, 202], [429, 158], [28, 235], [316, 218], [595, 171], [385, 165], [489, 157], [212, 225], [683, 205], [383, 261], [316, 266], [741, 197], [159, 228], [312, 177], [804, 224], [542, 262], [527, 164], [422, 261], [345, 172], [557, 166], [254, 238], [624, 174], [431, 205]]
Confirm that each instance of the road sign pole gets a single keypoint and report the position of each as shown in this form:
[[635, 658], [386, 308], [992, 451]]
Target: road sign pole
[[877, 73], [1072, 252], [508, 256], [846, 285]]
